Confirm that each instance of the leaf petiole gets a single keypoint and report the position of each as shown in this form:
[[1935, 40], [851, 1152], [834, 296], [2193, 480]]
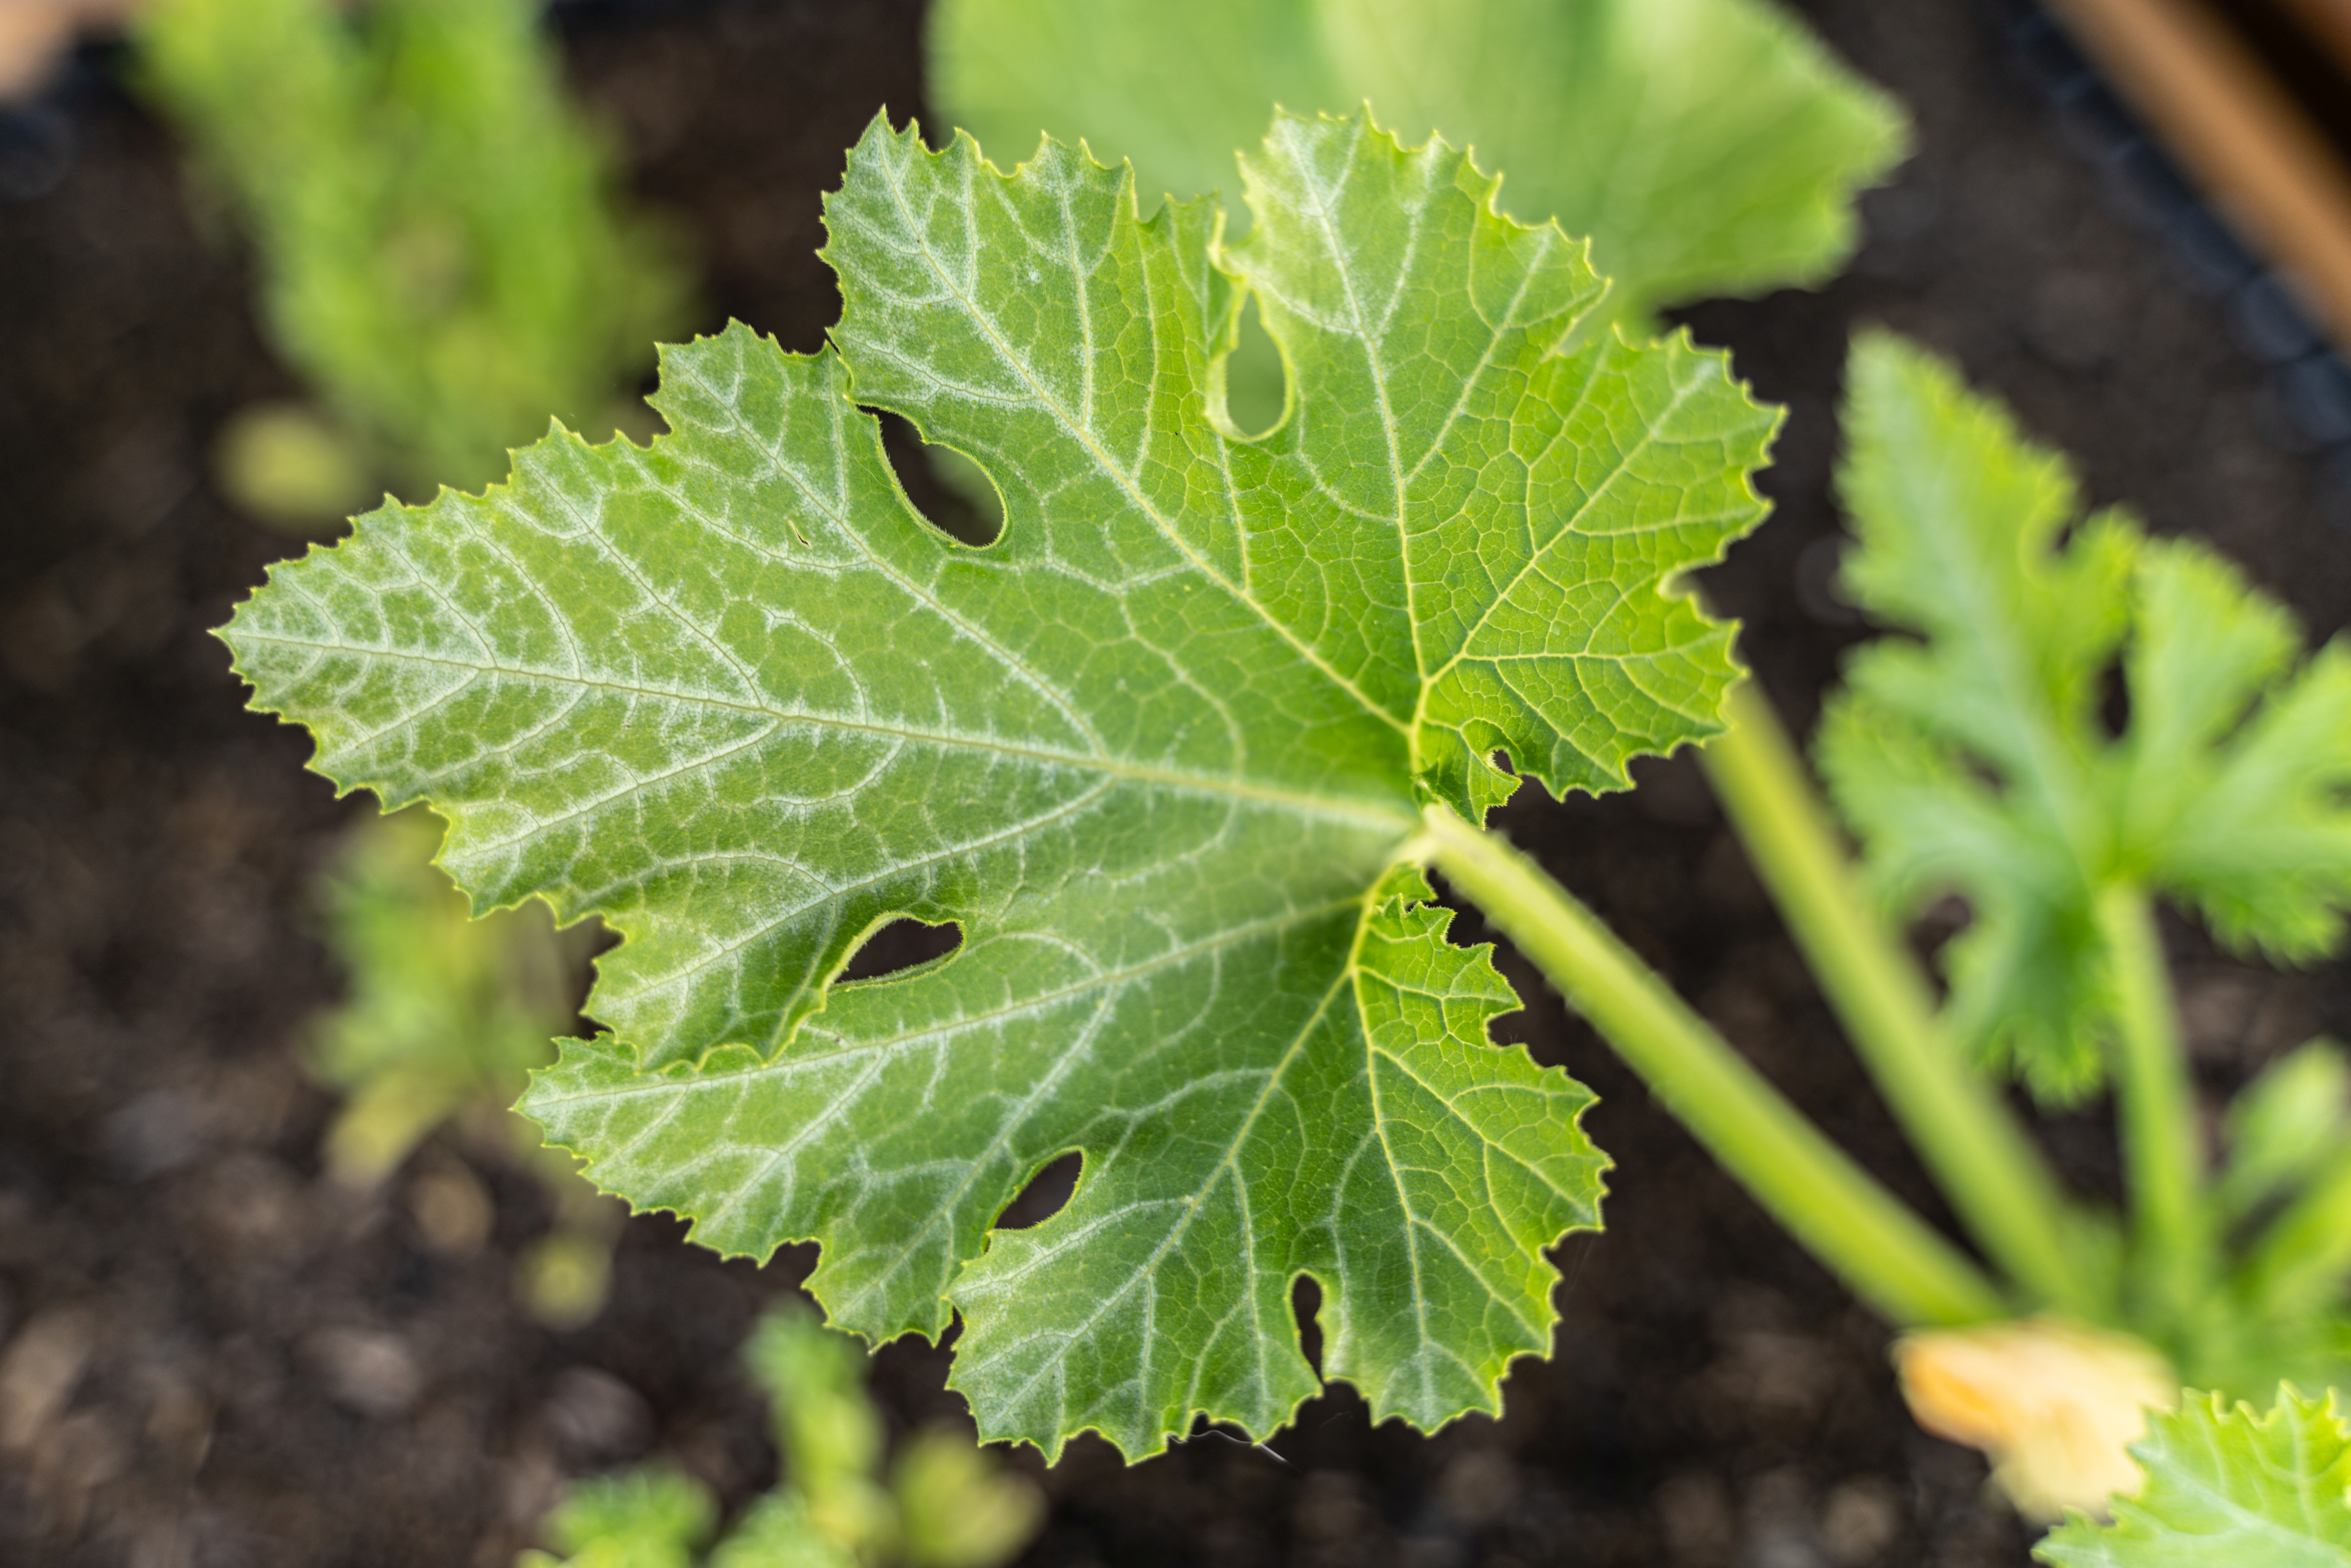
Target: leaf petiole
[[1885, 1253], [1993, 1176], [2162, 1157]]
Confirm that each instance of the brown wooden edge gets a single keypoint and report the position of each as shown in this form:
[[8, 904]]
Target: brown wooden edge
[[2328, 21], [2253, 152]]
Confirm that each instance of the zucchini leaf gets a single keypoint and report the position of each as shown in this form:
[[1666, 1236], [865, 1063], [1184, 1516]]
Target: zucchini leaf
[[1159, 753], [1707, 147], [2227, 1485], [1975, 757]]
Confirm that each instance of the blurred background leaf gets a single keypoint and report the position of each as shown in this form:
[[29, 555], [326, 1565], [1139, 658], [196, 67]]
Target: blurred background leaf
[[1706, 147], [442, 252]]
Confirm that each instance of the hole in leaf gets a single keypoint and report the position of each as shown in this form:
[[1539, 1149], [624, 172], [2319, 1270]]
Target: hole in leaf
[[948, 488], [1305, 1300], [1253, 377], [1047, 1192], [900, 946]]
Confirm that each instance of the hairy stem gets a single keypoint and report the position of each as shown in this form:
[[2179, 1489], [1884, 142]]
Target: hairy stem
[[1993, 1176], [1885, 1253], [2162, 1157]]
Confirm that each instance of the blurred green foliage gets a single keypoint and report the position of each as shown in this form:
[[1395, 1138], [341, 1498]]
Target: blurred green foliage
[[942, 1504], [444, 1019], [1704, 147], [445, 1012], [443, 256], [650, 1518]]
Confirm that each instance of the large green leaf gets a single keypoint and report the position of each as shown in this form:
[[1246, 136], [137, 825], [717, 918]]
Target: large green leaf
[[2227, 1487], [1159, 752], [1976, 759], [1707, 147]]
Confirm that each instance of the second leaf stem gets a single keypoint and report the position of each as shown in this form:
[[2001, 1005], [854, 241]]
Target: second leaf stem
[[1995, 1179], [2162, 1155]]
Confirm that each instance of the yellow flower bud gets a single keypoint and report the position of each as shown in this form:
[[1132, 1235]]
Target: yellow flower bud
[[2053, 1403]]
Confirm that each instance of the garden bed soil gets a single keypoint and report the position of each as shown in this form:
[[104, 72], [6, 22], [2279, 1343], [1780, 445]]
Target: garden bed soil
[[215, 1356]]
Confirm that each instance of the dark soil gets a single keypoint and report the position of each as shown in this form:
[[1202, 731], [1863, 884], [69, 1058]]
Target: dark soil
[[212, 1356]]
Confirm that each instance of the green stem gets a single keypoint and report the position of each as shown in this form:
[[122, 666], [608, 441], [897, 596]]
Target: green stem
[[2161, 1154], [2298, 1264], [1993, 1176], [1885, 1253]]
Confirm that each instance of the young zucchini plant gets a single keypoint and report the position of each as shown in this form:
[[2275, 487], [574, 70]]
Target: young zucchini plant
[[1974, 757], [441, 257], [1170, 754], [942, 1503]]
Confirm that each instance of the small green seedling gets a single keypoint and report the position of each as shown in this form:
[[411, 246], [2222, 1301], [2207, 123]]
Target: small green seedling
[[445, 1014], [651, 1517], [1172, 755], [443, 258], [941, 1502], [445, 1019]]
